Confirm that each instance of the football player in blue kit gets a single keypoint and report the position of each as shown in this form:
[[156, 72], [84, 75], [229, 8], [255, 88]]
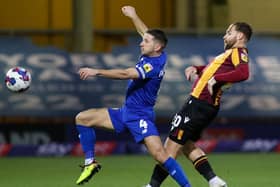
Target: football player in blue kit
[[137, 113]]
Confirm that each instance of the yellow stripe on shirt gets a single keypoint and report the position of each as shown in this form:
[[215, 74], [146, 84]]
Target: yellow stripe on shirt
[[235, 57], [209, 72]]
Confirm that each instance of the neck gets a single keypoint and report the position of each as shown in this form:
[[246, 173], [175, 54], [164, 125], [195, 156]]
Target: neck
[[239, 45], [155, 54]]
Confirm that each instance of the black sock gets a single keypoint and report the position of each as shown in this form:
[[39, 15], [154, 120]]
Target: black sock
[[202, 165], [158, 176]]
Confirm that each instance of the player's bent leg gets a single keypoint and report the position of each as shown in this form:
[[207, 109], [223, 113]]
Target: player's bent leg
[[87, 172], [201, 164], [199, 160], [84, 122], [95, 118], [191, 151], [154, 146], [172, 148], [159, 173]]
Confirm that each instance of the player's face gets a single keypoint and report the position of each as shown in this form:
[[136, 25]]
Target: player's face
[[148, 45], [231, 37]]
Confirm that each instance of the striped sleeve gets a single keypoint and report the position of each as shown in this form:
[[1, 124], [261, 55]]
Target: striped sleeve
[[239, 58], [240, 73]]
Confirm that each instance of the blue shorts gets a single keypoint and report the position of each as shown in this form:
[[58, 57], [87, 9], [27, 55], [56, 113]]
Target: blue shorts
[[139, 122]]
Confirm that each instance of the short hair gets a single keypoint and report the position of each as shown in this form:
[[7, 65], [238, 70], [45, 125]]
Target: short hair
[[159, 35], [245, 28]]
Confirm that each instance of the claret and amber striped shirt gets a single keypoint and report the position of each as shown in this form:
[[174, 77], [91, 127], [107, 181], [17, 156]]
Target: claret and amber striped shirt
[[227, 68]]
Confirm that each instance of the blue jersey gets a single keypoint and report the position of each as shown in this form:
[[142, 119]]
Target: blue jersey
[[137, 115], [142, 92]]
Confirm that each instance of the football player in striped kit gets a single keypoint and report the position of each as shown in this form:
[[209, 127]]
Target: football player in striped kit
[[202, 106]]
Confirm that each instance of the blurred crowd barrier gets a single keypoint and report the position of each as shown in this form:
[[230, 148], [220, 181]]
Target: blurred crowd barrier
[[44, 115]]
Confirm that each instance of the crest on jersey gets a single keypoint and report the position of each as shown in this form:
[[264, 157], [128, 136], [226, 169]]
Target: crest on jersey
[[244, 57], [148, 67]]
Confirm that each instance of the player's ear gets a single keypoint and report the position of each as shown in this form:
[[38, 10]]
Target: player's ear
[[158, 46], [241, 36]]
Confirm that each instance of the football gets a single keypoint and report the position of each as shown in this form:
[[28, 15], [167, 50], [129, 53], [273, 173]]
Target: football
[[18, 79]]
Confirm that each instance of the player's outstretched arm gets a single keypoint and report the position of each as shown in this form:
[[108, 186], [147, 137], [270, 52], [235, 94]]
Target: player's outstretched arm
[[129, 73], [130, 12]]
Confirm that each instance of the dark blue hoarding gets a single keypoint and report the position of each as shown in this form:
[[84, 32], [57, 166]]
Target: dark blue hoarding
[[56, 89]]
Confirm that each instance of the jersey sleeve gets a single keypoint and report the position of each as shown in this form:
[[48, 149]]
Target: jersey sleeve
[[147, 69], [239, 58], [240, 73]]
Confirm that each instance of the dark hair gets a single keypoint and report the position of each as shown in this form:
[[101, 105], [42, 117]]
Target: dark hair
[[245, 28], [158, 35]]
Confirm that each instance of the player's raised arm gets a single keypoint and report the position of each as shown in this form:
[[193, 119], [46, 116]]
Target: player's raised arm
[[130, 12]]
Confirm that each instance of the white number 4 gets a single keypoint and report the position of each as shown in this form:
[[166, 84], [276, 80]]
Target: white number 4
[[144, 125]]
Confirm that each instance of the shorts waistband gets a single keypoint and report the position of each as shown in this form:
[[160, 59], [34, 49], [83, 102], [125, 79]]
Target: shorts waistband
[[202, 102]]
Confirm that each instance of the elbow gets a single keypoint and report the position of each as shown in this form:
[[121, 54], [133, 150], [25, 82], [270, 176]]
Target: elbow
[[129, 73], [245, 76], [124, 76], [244, 73]]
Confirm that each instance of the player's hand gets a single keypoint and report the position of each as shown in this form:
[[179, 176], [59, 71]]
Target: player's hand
[[129, 11], [87, 72], [190, 72], [211, 84]]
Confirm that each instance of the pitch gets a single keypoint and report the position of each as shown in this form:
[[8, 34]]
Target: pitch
[[239, 170]]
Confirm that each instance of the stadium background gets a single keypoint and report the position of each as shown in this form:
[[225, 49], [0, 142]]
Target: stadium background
[[54, 38]]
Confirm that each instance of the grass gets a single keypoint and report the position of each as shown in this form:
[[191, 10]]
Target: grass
[[239, 170]]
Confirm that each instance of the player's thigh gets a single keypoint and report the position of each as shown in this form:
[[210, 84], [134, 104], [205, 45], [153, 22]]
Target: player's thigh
[[172, 148], [155, 148], [95, 118]]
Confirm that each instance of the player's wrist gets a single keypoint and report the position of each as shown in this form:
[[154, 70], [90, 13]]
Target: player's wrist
[[97, 72], [195, 70]]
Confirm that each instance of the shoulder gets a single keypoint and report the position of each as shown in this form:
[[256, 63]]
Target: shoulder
[[239, 55], [243, 54]]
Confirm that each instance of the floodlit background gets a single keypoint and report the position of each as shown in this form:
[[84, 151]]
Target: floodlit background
[[53, 39]]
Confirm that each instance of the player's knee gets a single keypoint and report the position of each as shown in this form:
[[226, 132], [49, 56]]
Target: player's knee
[[160, 155], [188, 148], [80, 119]]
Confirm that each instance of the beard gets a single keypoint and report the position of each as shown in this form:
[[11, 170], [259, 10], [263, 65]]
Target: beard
[[228, 44]]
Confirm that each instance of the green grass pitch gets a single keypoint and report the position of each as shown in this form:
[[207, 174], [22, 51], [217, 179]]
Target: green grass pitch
[[239, 170]]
